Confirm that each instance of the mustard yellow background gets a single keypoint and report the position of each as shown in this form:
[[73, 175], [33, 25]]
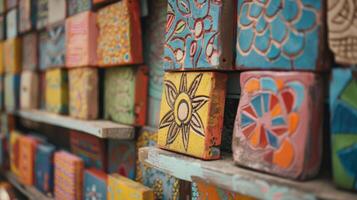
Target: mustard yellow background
[[56, 91], [2, 66], [196, 145], [120, 187]]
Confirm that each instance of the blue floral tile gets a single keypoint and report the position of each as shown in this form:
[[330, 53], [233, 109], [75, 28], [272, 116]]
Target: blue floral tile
[[280, 34], [195, 36]]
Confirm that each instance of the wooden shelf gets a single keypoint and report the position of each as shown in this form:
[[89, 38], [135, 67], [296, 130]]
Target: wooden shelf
[[99, 128], [226, 175], [29, 191]]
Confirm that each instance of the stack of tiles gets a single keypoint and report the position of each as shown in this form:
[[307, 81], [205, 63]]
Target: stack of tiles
[[68, 176], [27, 152], [94, 185], [278, 127], [83, 93], [192, 105], [120, 187], [44, 168], [56, 90], [343, 92], [90, 148]]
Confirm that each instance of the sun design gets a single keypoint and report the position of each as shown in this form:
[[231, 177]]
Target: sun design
[[184, 105]]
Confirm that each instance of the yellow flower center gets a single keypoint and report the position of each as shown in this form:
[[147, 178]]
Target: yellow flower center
[[183, 109]]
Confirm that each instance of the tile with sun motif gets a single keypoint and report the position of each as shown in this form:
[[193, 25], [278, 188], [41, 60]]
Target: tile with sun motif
[[343, 109], [119, 40], [199, 34], [191, 115], [281, 34], [278, 125]]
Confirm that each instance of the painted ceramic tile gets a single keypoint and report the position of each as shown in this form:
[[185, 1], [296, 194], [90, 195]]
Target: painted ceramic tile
[[163, 185], [77, 6], [52, 47], [2, 58], [29, 86], [81, 44], [56, 11], [154, 31], [90, 148], [2, 27], [56, 91], [119, 40], [42, 14], [278, 127], [342, 30], [27, 15], [68, 176], [44, 168], [146, 138], [12, 92], [195, 36], [11, 4], [95, 185], [281, 35], [202, 190], [27, 147], [230, 110], [83, 93], [12, 55], [343, 107], [15, 152], [191, 115], [125, 95], [43, 85], [122, 157], [11, 23], [29, 51], [120, 187], [7, 123]]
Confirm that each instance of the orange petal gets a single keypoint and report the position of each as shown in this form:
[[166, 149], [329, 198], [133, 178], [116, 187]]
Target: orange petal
[[254, 139], [284, 156], [252, 85], [276, 111], [279, 84], [293, 122]]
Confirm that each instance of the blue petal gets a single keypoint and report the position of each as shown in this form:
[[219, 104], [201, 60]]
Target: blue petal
[[261, 25], [307, 21], [279, 30], [312, 3], [273, 53], [255, 10], [278, 121], [294, 45], [244, 16], [268, 84], [262, 42], [273, 8], [348, 159], [273, 140], [245, 39], [290, 10], [344, 119], [257, 104], [245, 120]]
